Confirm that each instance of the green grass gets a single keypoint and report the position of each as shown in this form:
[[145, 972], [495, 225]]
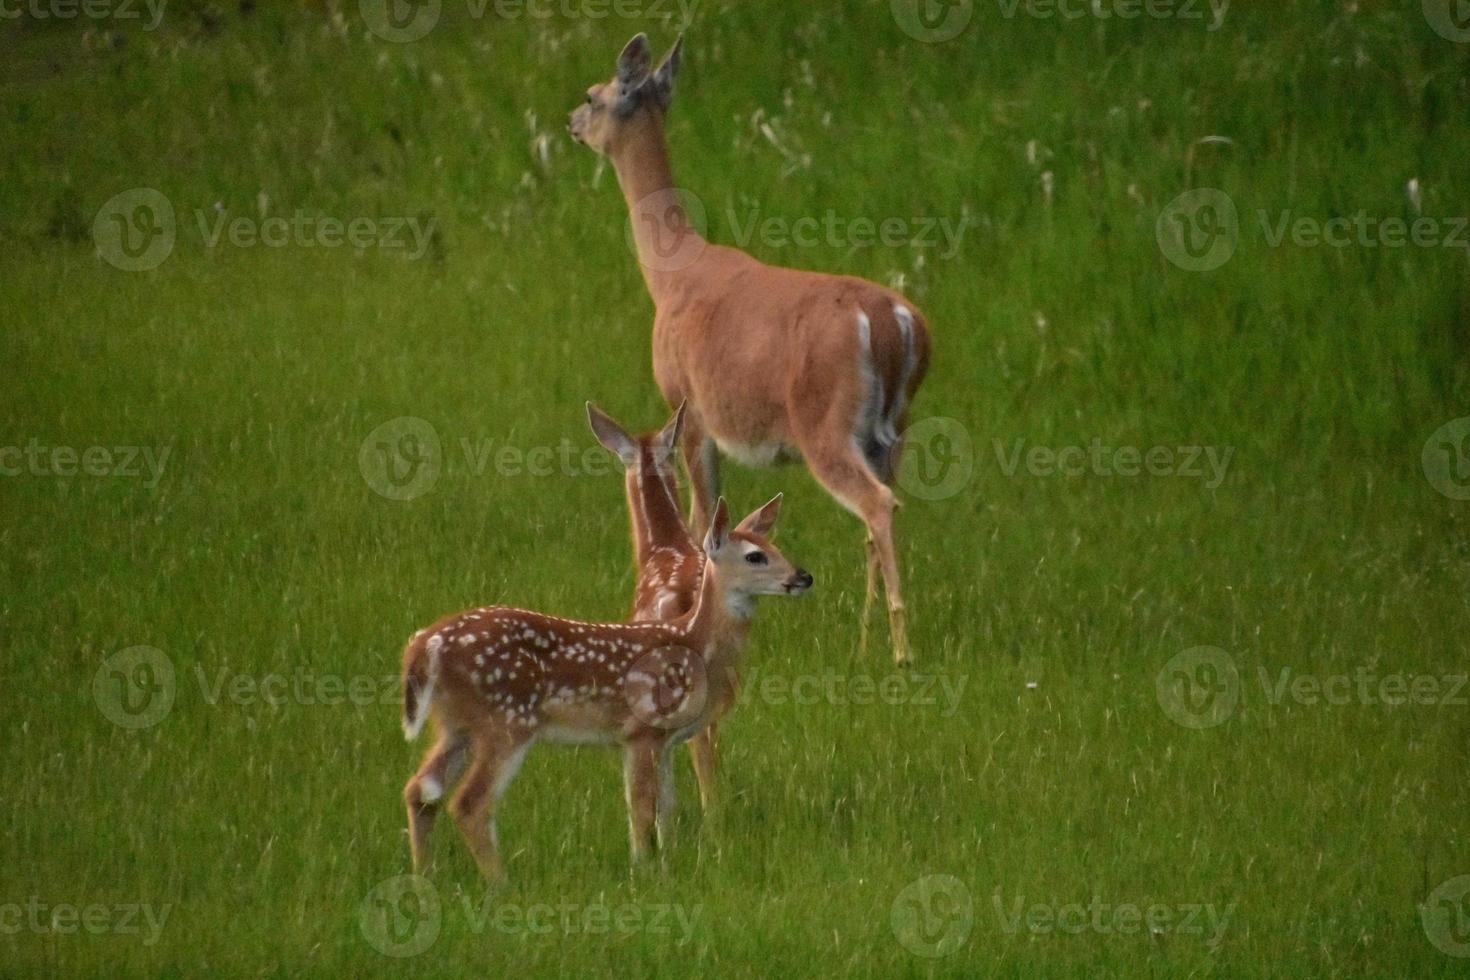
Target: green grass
[[1055, 601]]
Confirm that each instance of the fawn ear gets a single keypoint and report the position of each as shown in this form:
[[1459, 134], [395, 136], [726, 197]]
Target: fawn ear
[[761, 522], [633, 66], [612, 436], [719, 530], [668, 437], [662, 83]]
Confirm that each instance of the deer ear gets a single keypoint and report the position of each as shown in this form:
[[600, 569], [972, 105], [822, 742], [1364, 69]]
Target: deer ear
[[719, 530], [612, 435], [634, 64], [761, 522], [662, 83], [668, 436]]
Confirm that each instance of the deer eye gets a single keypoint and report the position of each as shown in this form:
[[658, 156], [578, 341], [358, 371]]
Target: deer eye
[[756, 558]]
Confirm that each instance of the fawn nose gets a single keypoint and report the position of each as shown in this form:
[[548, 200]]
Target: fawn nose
[[801, 581]]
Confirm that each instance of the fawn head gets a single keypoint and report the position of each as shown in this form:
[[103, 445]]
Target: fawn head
[[749, 565], [637, 94]]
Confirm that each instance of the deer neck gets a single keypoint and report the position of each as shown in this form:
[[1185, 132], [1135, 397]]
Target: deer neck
[[720, 619], [656, 519], [657, 214]]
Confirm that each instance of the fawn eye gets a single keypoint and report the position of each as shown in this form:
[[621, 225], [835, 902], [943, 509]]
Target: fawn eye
[[756, 558]]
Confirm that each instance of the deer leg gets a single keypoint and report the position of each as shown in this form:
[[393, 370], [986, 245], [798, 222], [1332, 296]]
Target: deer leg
[[640, 779], [702, 462], [425, 790], [870, 593], [702, 754], [848, 478], [493, 764], [667, 800]]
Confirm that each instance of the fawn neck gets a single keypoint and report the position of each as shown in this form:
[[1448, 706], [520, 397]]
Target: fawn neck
[[660, 224], [657, 522], [719, 620]]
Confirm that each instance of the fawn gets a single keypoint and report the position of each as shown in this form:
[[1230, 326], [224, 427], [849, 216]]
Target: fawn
[[495, 680], [773, 363], [668, 561]]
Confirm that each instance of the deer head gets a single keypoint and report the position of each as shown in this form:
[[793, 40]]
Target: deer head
[[747, 564], [633, 99]]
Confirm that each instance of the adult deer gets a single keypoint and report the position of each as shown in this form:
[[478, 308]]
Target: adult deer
[[668, 561], [773, 363], [495, 680]]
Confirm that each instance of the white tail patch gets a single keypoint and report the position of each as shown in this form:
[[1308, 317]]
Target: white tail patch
[[413, 722], [905, 318]]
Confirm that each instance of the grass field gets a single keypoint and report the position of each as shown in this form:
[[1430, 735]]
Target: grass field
[[1203, 720]]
